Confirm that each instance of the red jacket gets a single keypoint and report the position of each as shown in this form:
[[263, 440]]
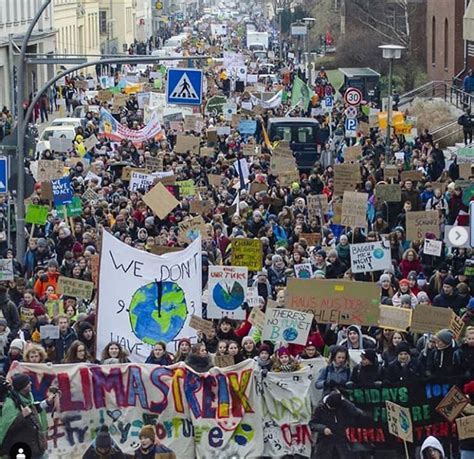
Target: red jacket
[[407, 266]]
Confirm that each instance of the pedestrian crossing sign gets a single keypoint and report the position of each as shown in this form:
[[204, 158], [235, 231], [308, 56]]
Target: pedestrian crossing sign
[[184, 86]]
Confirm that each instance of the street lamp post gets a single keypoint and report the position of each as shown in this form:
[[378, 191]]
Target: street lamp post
[[21, 132], [309, 22], [280, 14], [390, 52]]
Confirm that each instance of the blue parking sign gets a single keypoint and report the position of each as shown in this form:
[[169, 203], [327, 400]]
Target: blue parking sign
[[3, 175], [184, 87], [328, 102]]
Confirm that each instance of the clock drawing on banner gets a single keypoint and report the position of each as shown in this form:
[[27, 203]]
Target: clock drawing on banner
[[158, 311]]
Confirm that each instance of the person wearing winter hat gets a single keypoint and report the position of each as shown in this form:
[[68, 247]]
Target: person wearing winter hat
[[15, 354], [330, 420], [432, 449], [442, 362], [24, 422], [149, 449], [284, 361], [404, 368], [184, 348], [103, 446], [386, 286], [368, 372], [85, 333], [449, 297], [263, 359], [404, 289], [423, 298], [49, 278]]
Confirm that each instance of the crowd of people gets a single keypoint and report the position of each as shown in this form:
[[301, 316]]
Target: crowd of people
[[67, 248]]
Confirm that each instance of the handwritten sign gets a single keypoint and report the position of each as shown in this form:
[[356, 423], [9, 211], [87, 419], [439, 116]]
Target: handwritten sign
[[432, 247], [336, 301], [189, 230], [198, 323], [388, 193], [421, 223], [346, 177], [311, 238], [394, 318], [317, 205], [430, 319], [6, 270], [26, 314], [286, 326], [75, 287], [452, 404], [399, 421], [465, 427], [247, 252], [49, 332], [354, 210], [257, 318], [369, 257], [50, 170]]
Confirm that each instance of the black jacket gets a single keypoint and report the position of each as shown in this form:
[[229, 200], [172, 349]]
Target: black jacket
[[366, 375], [454, 301], [464, 360], [443, 361], [9, 311], [396, 373], [198, 363]]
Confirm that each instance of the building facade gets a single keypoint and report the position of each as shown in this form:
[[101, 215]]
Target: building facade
[[15, 17], [447, 51]]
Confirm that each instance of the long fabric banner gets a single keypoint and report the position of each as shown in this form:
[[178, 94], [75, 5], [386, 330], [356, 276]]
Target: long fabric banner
[[155, 301], [209, 415], [228, 412], [110, 127]]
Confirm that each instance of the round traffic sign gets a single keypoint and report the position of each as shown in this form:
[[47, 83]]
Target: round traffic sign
[[353, 96], [351, 112], [458, 236]]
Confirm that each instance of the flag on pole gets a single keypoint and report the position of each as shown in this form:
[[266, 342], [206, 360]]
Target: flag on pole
[[300, 93]]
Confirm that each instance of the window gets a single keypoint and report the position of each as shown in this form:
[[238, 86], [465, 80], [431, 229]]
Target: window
[[103, 22], [433, 41], [446, 43]]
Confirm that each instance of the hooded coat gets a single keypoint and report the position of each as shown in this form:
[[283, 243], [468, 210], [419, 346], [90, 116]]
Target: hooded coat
[[432, 442], [365, 342]]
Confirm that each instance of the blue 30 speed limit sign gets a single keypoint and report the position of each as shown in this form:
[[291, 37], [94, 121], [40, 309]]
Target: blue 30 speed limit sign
[[353, 96]]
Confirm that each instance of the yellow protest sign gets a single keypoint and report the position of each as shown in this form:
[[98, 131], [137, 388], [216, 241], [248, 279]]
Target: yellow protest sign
[[247, 252]]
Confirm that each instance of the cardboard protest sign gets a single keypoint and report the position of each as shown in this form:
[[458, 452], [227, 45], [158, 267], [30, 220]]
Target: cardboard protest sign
[[190, 122], [370, 256], [207, 152], [390, 172], [185, 143], [203, 325], [49, 331], [49, 170], [353, 153], [224, 361], [62, 191], [257, 187], [394, 318], [422, 222], [54, 307], [430, 319], [388, 193], [452, 404], [317, 205], [154, 163], [346, 177], [75, 287], [411, 175], [162, 249], [127, 172], [432, 247], [198, 206], [160, 200], [399, 421], [286, 326], [303, 271], [311, 238], [91, 142], [247, 252], [227, 292], [465, 427], [257, 318], [191, 229], [6, 270], [335, 301], [36, 214], [456, 325], [354, 209], [90, 196]]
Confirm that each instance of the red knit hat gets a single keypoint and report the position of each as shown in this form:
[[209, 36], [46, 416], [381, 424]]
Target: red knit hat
[[283, 351], [469, 388]]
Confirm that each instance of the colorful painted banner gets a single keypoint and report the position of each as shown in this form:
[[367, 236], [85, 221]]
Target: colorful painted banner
[[370, 256], [227, 292], [155, 301], [286, 326], [111, 128], [210, 415]]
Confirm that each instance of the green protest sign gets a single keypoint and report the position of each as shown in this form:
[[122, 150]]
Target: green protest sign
[[215, 104], [73, 210], [36, 214]]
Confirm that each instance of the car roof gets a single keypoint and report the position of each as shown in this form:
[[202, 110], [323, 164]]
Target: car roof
[[59, 128], [289, 120]]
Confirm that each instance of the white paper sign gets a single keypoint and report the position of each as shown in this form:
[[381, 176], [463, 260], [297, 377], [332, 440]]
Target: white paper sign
[[6, 270], [432, 247], [303, 271], [227, 292], [139, 181], [370, 256], [287, 326]]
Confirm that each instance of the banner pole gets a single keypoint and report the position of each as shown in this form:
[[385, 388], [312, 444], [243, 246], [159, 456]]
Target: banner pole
[[406, 449]]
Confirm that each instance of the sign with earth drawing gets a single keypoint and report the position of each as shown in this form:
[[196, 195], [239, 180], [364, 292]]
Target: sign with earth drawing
[[285, 326], [155, 301], [227, 292]]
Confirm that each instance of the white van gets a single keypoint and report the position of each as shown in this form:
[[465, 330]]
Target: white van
[[58, 132], [75, 122]]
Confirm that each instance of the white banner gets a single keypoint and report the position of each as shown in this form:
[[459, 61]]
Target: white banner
[[286, 413], [146, 298], [370, 256], [227, 292]]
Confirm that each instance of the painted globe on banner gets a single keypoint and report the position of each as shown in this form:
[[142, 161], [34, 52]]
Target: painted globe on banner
[[153, 320]]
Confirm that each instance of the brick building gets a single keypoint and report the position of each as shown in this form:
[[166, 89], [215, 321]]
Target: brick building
[[446, 50]]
